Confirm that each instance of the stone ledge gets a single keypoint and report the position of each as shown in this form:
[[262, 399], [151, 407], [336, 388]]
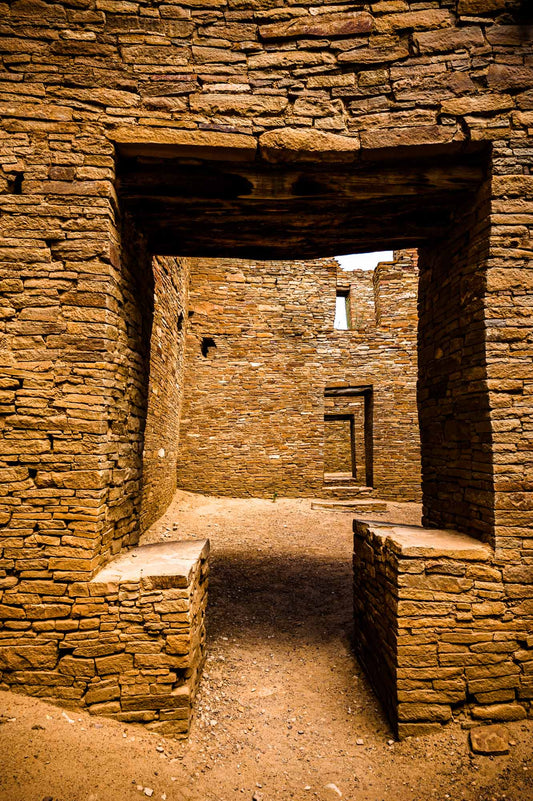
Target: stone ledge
[[168, 142], [163, 565], [416, 541]]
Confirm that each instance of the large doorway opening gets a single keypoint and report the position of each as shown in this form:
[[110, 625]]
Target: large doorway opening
[[434, 199], [243, 205]]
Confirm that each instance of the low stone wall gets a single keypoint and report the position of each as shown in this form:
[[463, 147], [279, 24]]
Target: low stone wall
[[129, 644], [436, 630]]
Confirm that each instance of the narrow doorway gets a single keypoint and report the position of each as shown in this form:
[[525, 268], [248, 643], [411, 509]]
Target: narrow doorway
[[348, 435]]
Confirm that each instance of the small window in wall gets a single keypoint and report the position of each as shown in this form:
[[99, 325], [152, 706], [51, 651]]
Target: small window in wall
[[342, 310]]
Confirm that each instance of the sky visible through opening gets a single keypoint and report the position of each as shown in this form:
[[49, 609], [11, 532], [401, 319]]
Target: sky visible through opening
[[364, 261], [355, 261]]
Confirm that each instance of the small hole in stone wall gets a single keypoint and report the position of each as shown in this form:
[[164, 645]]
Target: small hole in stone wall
[[36, 528], [15, 184], [180, 321], [51, 440], [207, 344], [32, 472]]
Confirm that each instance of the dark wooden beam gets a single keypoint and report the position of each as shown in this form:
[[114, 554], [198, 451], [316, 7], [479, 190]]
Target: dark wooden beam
[[258, 210]]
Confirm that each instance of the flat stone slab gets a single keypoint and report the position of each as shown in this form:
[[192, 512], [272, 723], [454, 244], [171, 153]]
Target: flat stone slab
[[149, 141], [350, 506], [417, 541], [489, 740], [176, 560]]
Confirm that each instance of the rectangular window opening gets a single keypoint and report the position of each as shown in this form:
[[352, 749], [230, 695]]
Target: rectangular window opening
[[342, 310]]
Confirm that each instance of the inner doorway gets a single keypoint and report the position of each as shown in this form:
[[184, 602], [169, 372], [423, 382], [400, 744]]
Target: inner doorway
[[348, 434]]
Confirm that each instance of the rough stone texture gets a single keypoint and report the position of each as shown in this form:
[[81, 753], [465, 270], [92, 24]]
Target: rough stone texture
[[434, 629], [134, 642], [165, 388], [489, 740], [438, 103], [454, 406], [261, 351]]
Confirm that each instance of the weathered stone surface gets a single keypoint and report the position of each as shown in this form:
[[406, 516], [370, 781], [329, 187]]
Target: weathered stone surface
[[238, 104], [376, 55], [321, 25], [502, 77], [153, 141], [477, 105], [80, 668], [28, 656], [177, 698], [427, 19], [450, 39], [117, 663], [484, 6], [499, 712], [409, 137], [489, 740], [296, 144]]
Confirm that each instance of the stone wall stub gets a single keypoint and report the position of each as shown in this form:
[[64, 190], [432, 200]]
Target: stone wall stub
[[165, 388]]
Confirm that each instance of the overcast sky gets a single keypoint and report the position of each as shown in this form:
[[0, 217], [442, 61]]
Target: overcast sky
[[364, 261]]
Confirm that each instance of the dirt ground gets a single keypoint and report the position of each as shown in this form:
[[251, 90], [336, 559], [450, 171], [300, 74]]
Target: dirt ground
[[284, 710]]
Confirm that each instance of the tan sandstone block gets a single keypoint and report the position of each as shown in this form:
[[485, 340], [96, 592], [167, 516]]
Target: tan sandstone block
[[116, 663], [78, 667], [424, 712], [499, 712], [162, 141], [306, 144], [321, 26]]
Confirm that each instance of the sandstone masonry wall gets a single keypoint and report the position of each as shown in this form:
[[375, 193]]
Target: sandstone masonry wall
[[385, 83], [165, 389], [253, 412], [125, 645], [455, 424], [434, 630], [382, 354], [337, 451]]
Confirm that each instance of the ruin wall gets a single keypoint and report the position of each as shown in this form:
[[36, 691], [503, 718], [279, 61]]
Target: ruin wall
[[305, 84], [165, 387], [253, 412]]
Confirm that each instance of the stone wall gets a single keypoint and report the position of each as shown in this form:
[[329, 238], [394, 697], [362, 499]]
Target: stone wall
[[261, 350], [435, 630], [165, 389], [337, 447], [129, 644], [334, 128], [454, 408], [382, 354]]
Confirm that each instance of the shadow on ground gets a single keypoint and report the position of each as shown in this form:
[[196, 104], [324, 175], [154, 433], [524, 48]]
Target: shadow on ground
[[305, 596]]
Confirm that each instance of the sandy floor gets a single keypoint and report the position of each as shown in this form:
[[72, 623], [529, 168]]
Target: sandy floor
[[284, 710]]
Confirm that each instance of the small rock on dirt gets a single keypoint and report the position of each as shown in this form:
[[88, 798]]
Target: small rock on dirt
[[489, 740], [332, 791]]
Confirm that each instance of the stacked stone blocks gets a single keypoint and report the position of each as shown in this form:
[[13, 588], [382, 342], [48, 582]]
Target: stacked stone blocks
[[391, 84], [438, 629], [254, 403], [129, 644]]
